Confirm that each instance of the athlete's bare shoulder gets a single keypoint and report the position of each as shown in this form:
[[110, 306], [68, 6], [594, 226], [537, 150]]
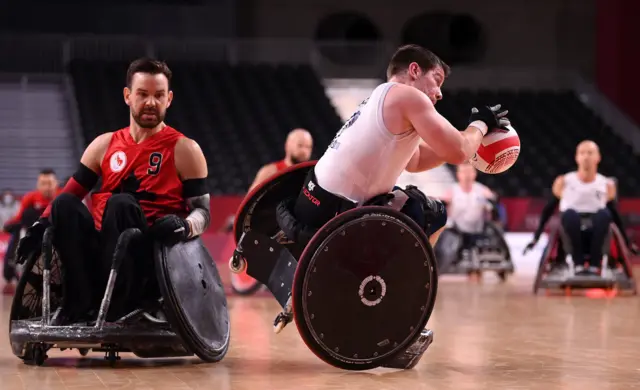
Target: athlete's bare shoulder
[[264, 173], [190, 160], [94, 153], [400, 104]]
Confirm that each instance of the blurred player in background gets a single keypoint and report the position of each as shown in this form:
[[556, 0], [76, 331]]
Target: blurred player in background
[[298, 148], [468, 201], [469, 204], [9, 206], [31, 207], [587, 200]]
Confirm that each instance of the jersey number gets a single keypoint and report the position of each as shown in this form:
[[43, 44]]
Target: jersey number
[[334, 143], [155, 160]]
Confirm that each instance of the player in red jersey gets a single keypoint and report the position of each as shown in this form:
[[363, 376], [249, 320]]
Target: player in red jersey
[[153, 178], [297, 148], [31, 207]]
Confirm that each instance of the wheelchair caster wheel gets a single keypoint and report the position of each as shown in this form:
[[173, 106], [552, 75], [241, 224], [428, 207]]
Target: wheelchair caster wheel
[[83, 351], [284, 318], [39, 354], [237, 264], [281, 321], [112, 357]]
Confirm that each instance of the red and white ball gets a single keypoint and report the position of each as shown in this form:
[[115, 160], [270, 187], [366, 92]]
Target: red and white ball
[[497, 152]]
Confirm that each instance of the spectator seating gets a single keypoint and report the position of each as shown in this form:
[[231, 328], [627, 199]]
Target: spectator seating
[[550, 125], [240, 115]]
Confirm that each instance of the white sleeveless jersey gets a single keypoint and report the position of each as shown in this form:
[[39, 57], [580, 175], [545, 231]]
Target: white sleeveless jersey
[[583, 197], [467, 209], [365, 159]]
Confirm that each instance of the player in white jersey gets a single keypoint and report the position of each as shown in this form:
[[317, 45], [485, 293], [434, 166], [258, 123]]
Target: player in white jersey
[[396, 128], [585, 198], [468, 201]]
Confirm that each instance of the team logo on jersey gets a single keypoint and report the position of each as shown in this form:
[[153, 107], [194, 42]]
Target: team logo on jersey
[[118, 161]]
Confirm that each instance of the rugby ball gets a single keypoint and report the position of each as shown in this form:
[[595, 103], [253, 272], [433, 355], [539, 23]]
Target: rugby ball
[[498, 151]]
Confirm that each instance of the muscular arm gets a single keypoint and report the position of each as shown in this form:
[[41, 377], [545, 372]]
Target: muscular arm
[[558, 187], [88, 171], [424, 159], [451, 145], [192, 168], [487, 193], [613, 210], [263, 174]]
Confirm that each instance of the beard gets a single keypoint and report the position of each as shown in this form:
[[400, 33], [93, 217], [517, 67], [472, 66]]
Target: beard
[[297, 160], [152, 118]]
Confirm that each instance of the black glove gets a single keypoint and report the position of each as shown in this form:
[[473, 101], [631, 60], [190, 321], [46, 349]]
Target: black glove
[[170, 229], [32, 240], [494, 117]]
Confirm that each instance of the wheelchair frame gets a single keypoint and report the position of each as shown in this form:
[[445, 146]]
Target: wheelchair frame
[[554, 273], [32, 337]]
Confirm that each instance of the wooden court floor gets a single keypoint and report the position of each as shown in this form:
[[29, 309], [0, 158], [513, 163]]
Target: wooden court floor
[[487, 336]]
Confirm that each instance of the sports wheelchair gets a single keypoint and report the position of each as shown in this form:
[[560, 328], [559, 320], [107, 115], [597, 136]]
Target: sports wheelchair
[[488, 251], [557, 270], [360, 290], [190, 317]]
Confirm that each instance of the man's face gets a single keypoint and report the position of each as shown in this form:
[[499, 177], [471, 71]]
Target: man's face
[[47, 185], [466, 174], [428, 82], [299, 148], [148, 99], [587, 156]]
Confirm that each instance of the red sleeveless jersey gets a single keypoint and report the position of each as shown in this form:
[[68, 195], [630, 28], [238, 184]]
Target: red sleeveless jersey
[[280, 165], [146, 169]]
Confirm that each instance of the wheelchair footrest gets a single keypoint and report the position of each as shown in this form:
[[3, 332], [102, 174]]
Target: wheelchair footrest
[[270, 263], [408, 358], [578, 281]]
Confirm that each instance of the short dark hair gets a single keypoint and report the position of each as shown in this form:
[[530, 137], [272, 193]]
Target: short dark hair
[[150, 66], [407, 54], [47, 171]]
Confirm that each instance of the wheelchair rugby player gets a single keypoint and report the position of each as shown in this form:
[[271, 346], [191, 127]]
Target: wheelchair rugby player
[[131, 275], [472, 243], [589, 248], [339, 246]]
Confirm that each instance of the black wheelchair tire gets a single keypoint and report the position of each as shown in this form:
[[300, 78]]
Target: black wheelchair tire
[[17, 297], [298, 287], [178, 320], [249, 291]]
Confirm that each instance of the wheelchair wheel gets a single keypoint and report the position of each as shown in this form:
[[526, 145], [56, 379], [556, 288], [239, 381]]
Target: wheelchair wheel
[[246, 290], [341, 288], [194, 300], [27, 301]]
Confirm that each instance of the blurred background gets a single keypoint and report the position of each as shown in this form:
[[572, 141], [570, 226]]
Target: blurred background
[[246, 72]]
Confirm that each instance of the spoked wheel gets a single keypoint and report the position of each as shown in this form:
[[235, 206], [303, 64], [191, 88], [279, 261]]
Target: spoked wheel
[[27, 301]]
